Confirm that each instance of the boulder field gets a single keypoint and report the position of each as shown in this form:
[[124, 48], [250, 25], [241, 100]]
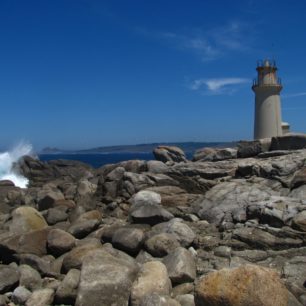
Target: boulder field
[[228, 228]]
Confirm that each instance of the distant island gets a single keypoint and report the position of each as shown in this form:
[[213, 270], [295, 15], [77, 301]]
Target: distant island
[[187, 147]]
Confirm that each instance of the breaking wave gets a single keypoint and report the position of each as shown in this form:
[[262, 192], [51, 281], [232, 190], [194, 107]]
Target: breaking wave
[[7, 161]]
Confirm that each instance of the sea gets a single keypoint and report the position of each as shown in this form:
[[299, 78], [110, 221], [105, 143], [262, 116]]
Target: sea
[[9, 158], [99, 160]]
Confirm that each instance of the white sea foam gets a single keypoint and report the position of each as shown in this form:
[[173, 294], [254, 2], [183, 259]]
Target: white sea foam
[[7, 160]]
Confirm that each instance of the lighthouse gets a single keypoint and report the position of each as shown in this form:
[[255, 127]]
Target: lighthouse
[[267, 87]]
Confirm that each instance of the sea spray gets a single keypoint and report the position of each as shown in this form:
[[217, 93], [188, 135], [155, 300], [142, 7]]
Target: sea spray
[[7, 161]]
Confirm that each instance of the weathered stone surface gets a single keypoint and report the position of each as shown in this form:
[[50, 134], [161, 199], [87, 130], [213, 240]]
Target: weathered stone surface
[[150, 214], [40, 264], [60, 242], [180, 265], [247, 285], [41, 297], [26, 219], [20, 295], [152, 278], [299, 178], [288, 142], [84, 228], [299, 221], [33, 242], [128, 239], [186, 300], [169, 153], [146, 208], [75, 257], [66, 293], [253, 148], [9, 277], [155, 299], [161, 244], [29, 277], [105, 280], [156, 166], [257, 238], [214, 154], [56, 215], [182, 232], [48, 198]]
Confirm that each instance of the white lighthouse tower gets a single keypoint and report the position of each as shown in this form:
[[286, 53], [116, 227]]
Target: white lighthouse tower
[[267, 87]]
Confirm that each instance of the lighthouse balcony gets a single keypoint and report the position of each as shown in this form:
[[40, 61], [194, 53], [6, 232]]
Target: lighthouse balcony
[[267, 82]]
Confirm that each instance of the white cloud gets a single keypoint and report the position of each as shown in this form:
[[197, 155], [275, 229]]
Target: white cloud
[[293, 95], [218, 86], [214, 43]]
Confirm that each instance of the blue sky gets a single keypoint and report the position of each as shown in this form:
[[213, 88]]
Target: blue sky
[[80, 73]]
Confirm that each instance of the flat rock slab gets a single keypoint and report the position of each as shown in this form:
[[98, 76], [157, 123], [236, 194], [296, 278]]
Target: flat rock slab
[[105, 280]]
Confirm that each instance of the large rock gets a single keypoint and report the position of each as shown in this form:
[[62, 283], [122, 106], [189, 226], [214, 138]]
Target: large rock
[[180, 230], [128, 239], [60, 242], [41, 297], [146, 208], [105, 280], [299, 178], [34, 242], [169, 153], [161, 244], [214, 154], [75, 257], [152, 278], [25, 219], [29, 278], [247, 285], [289, 142], [181, 266], [299, 221], [253, 148], [9, 277], [47, 198]]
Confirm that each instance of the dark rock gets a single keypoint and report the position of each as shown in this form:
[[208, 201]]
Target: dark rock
[[48, 197], [299, 221], [299, 178], [60, 242], [169, 153], [6, 183], [288, 142], [82, 229], [43, 266], [128, 239], [9, 277], [248, 149]]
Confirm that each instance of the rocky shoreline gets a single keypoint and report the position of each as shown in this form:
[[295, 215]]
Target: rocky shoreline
[[228, 228]]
